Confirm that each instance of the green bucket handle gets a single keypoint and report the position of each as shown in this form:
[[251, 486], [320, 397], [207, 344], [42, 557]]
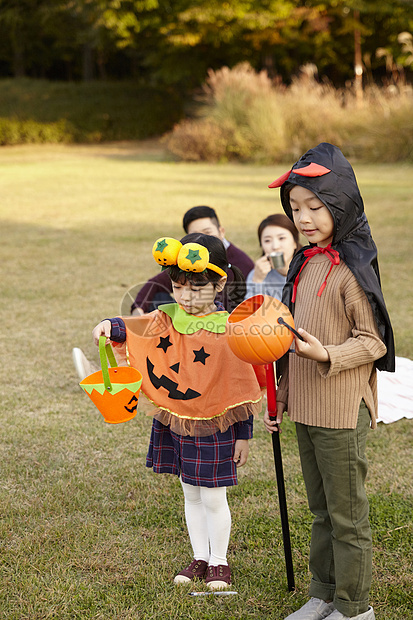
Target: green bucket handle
[[105, 354]]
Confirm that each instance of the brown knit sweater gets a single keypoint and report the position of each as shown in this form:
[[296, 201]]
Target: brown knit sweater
[[328, 394]]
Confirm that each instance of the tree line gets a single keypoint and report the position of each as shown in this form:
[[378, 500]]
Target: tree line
[[175, 42]]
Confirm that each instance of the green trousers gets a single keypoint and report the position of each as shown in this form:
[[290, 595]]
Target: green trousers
[[334, 468]]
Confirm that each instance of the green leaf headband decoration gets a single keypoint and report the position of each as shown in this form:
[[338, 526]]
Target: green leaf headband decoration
[[189, 257]]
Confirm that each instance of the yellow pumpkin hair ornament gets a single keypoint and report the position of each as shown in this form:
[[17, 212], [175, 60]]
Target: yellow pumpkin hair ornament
[[165, 251], [191, 257]]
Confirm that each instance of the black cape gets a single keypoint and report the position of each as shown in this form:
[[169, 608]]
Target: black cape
[[331, 178]]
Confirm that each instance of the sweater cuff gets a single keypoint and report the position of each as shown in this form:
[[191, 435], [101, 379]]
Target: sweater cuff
[[118, 332], [334, 366]]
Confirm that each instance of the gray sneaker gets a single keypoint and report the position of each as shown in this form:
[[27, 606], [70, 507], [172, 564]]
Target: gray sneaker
[[314, 609], [367, 615]]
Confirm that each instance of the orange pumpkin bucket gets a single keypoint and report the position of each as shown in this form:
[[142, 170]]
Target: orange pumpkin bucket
[[257, 330], [115, 390]]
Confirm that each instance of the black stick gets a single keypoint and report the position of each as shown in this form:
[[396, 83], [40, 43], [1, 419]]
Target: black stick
[[294, 331], [272, 410]]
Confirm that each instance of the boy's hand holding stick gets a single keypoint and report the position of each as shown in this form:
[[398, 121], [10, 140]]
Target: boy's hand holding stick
[[309, 347]]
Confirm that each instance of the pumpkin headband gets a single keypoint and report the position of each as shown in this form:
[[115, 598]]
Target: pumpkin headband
[[189, 257]]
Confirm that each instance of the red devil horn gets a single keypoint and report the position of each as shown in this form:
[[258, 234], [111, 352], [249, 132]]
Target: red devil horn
[[312, 170], [282, 179]]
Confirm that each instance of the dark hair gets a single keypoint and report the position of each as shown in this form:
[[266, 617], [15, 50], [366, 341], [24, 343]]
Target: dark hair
[[281, 220], [286, 188], [196, 213], [234, 291]]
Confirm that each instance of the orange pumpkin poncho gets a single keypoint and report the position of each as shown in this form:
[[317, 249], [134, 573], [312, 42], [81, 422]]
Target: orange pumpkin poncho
[[189, 372]]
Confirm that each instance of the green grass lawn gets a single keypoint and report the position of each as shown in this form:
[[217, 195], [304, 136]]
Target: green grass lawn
[[85, 530]]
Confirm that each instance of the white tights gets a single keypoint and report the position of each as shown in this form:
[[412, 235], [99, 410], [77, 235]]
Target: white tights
[[208, 520]]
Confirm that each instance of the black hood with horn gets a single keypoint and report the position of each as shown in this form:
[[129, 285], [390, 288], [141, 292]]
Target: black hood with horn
[[326, 172]]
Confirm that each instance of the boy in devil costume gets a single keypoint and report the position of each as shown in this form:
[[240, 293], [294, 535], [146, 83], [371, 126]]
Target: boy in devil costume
[[329, 385]]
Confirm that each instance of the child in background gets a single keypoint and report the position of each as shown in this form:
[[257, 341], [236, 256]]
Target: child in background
[[205, 396], [329, 385]]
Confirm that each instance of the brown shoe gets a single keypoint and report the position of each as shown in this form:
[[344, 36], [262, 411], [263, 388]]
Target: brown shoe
[[218, 577], [196, 570]]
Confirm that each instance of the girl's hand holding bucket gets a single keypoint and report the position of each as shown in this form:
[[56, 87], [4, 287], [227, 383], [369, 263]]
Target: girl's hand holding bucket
[[104, 328]]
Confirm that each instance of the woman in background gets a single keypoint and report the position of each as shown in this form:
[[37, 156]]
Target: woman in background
[[279, 241]]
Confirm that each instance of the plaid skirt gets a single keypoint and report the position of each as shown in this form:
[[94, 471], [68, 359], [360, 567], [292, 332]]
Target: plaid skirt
[[201, 461]]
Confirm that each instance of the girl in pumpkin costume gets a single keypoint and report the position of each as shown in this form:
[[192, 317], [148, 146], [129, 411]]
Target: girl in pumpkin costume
[[205, 396]]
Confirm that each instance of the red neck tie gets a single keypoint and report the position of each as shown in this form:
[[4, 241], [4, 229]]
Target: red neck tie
[[334, 257]]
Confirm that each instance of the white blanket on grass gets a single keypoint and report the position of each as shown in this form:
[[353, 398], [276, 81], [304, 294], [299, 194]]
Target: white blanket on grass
[[395, 392]]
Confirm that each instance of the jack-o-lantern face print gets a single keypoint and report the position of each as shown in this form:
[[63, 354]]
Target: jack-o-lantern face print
[[183, 359], [175, 392]]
